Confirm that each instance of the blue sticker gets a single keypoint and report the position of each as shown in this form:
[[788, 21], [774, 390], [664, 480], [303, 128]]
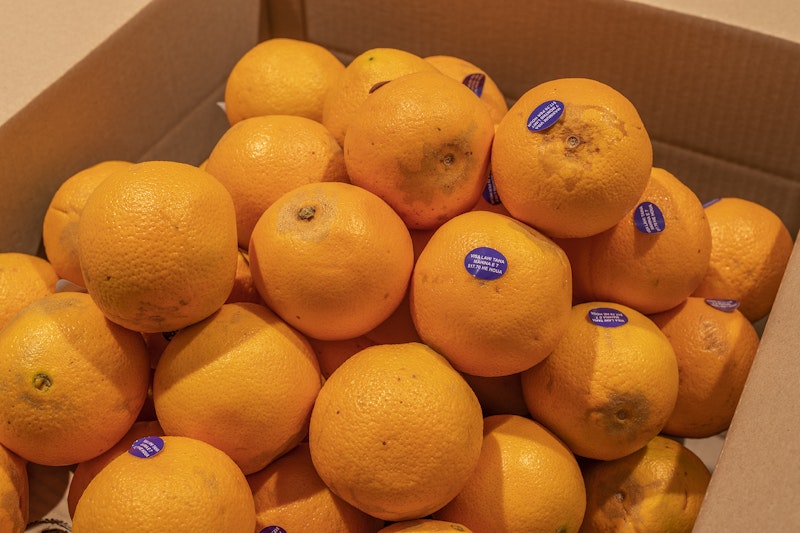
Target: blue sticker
[[146, 447], [485, 263], [490, 191], [475, 82], [711, 202], [545, 115], [729, 306], [273, 529], [607, 317], [648, 218]]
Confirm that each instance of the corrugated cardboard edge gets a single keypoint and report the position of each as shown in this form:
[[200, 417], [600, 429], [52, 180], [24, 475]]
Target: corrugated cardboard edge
[[756, 482]]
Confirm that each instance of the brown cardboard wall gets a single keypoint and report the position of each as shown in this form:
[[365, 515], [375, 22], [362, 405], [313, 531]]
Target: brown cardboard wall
[[721, 103]]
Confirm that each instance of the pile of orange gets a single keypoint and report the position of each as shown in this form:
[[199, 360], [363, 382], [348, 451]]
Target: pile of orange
[[387, 301]]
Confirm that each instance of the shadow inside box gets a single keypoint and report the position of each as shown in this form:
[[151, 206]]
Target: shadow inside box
[[707, 449], [48, 493]]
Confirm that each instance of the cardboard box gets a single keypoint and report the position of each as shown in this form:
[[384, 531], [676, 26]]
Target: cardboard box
[[717, 85]]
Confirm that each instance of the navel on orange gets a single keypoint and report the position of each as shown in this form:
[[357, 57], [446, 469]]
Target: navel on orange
[[260, 158], [74, 381], [332, 259], [422, 143], [571, 157]]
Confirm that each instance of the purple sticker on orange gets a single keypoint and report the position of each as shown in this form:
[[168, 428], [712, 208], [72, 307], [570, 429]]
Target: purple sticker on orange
[[711, 202], [545, 115], [648, 218], [490, 191], [729, 306], [146, 447], [485, 263], [607, 317], [273, 529], [475, 82]]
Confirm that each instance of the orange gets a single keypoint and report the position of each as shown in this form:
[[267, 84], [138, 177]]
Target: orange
[[15, 508], [244, 288], [281, 76], [290, 494], [231, 377], [491, 294], [157, 245], [715, 345], [332, 259], [260, 158], [24, 278], [425, 525], [395, 431], [73, 381], [571, 157], [476, 79], [499, 395], [659, 488], [86, 471], [750, 248], [526, 481], [653, 258], [331, 354], [166, 484], [364, 74], [60, 225], [610, 384], [422, 143]]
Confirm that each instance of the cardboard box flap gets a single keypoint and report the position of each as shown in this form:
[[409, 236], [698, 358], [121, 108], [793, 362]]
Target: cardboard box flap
[[756, 482], [129, 91], [706, 90]]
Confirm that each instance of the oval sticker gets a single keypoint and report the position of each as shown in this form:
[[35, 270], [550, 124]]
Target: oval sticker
[[711, 202], [490, 191], [648, 218], [485, 263], [146, 447], [273, 529], [545, 115], [607, 317], [729, 306], [475, 82]]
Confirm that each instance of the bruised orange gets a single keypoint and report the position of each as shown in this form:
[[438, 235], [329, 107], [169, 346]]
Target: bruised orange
[[571, 157], [422, 143], [610, 384]]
